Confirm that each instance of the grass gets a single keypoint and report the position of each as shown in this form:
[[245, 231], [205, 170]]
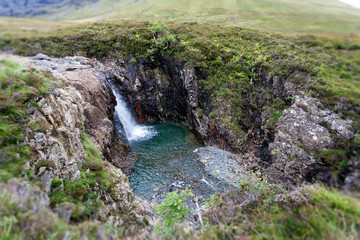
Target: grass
[[309, 213], [17, 27]]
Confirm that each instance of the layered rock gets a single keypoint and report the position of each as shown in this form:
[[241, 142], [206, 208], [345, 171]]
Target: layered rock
[[81, 102]]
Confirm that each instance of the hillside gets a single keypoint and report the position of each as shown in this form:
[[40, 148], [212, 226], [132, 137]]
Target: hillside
[[309, 16], [15, 8]]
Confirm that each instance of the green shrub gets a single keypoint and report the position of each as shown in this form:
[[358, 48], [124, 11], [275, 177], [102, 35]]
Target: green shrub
[[171, 211], [162, 39], [56, 182]]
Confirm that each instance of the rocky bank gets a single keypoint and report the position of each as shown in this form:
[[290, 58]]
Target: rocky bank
[[81, 102]]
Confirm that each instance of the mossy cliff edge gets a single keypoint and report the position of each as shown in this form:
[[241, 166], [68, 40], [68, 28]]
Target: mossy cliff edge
[[67, 148]]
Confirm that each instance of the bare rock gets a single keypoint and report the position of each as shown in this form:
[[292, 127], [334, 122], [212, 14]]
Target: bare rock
[[304, 127], [65, 210]]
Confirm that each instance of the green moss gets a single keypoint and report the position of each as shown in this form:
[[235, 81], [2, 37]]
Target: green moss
[[93, 156], [56, 182], [84, 191], [45, 163]]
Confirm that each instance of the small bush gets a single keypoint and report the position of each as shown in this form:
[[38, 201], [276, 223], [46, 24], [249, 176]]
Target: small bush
[[171, 211], [162, 39], [56, 183]]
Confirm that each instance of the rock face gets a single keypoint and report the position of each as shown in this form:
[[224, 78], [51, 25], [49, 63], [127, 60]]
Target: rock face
[[21, 8], [80, 103], [86, 103], [171, 92], [304, 127]]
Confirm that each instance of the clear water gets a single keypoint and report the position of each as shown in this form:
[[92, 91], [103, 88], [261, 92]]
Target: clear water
[[165, 157], [168, 161]]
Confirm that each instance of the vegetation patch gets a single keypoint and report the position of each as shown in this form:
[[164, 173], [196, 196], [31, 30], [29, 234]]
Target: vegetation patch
[[84, 191], [20, 89], [310, 212], [259, 210], [172, 211]]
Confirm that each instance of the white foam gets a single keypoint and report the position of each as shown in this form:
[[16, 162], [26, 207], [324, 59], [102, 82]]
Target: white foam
[[133, 130]]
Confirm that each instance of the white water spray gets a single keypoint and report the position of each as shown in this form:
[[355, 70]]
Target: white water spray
[[133, 130]]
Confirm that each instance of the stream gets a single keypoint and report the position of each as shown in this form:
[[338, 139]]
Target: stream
[[166, 158]]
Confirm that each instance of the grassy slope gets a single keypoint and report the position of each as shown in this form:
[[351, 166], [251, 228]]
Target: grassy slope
[[17, 27], [309, 16]]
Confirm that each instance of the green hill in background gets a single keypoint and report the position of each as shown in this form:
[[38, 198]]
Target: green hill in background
[[308, 16]]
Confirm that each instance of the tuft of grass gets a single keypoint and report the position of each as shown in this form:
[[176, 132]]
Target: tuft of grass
[[56, 183]]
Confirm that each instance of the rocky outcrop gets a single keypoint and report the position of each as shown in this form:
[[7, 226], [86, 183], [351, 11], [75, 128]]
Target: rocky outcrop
[[304, 128], [81, 102], [172, 93]]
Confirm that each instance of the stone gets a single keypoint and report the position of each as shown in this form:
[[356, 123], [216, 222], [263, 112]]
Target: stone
[[65, 210], [302, 129], [41, 56]]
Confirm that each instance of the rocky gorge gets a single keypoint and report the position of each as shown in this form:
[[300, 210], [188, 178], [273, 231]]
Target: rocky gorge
[[80, 108], [284, 151]]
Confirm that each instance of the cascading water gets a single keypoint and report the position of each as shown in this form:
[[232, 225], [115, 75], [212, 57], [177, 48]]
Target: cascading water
[[166, 157], [133, 130]]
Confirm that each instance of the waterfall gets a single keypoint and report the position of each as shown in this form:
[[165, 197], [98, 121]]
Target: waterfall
[[133, 130]]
